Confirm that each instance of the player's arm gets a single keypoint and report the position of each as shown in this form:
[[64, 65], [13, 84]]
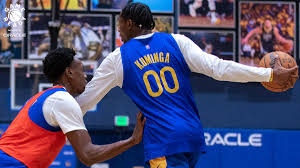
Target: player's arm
[[98, 51], [67, 115], [223, 70], [8, 2], [278, 36], [250, 34], [105, 78], [282, 39], [89, 154]]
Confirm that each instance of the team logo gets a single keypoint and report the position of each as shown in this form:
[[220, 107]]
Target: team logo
[[147, 47], [14, 15]]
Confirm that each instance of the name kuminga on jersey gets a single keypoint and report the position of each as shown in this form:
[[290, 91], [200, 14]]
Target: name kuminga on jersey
[[152, 58]]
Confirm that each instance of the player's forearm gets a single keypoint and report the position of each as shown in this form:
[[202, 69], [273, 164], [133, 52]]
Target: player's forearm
[[210, 65], [99, 50], [88, 153], [8, 2], [100, 153], [235, 72], [200, 62], [250, 34]]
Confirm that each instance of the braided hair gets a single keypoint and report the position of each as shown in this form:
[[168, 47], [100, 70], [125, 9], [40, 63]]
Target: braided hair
[[140, 14]]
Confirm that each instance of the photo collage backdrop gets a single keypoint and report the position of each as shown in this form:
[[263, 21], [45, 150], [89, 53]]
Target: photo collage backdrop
[[237, 30]]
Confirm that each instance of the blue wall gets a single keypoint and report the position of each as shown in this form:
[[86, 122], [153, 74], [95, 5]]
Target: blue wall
[[227, 148]]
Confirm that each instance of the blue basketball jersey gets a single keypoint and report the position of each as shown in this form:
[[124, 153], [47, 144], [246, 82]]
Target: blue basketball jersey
[[156, 78]]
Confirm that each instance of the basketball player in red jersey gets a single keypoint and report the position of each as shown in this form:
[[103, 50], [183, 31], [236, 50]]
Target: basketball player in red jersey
[[39, 131]]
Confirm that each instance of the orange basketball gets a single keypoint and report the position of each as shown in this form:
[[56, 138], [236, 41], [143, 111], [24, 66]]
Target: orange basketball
[[286, 61]]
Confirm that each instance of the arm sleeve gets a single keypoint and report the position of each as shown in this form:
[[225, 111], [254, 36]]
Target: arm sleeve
[[104, 80], [66, 114], [223, 70]]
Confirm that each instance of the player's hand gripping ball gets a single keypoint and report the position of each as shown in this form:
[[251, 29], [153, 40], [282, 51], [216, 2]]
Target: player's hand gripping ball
[[285, 71]]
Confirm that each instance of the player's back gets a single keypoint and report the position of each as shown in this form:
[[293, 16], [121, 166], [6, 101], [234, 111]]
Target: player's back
[[156, 77]]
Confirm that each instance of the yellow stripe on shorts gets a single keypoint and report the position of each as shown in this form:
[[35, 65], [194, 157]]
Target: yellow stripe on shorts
[[160, 162]]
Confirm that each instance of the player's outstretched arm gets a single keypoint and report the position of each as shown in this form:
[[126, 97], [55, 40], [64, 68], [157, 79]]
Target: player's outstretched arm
[[223, 70], [89, 154], [250, 34]]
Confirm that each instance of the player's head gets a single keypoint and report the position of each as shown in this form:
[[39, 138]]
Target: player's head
[[75, 26], [60, 67], [134, 19], [267, 25]]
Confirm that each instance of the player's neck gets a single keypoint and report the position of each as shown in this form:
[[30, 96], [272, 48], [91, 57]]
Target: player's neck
[[142, 32], [64, 84]]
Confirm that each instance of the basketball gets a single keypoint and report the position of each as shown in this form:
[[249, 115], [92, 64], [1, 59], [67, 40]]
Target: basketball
[[268, 61], [15, 15]]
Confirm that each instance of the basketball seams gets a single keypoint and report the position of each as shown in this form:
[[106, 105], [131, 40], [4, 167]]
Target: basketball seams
[[286, 61]]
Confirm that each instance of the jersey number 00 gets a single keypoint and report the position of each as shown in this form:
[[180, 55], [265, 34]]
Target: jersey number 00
[[163, 79]]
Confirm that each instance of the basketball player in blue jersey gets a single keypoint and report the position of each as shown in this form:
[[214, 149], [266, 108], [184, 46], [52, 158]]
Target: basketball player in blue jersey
[[269, 35], [153, 69], [39, 131]]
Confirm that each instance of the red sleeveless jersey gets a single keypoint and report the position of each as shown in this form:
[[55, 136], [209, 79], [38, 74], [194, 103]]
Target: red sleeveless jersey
[[30, 143]]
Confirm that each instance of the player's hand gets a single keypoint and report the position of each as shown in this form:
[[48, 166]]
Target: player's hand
[[137, 134], [283, 76], [244, 41]]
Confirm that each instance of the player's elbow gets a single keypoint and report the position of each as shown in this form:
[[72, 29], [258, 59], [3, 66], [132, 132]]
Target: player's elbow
[[85, 159]]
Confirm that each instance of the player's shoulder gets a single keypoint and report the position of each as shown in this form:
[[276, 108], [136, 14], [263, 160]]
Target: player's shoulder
[[116, 54], [179, 36], [63, 98], [182, 40]]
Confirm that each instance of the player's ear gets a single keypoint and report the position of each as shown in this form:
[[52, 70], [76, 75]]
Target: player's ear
[[130, 23], [68, 72]]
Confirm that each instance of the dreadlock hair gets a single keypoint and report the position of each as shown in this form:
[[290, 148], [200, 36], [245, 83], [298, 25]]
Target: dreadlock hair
[[140, 14], [56, 62]]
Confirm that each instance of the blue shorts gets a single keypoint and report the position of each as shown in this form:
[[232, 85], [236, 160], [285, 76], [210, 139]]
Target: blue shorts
[[179, 160], [7, 161]]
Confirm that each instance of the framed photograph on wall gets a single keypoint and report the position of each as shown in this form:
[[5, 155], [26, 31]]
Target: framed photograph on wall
[[265, 27], [72, 5], [162, 24], [159, 6], [11, 32], [89, 35], [218, 43], [206, 13], [108, 5], [156, 6]]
